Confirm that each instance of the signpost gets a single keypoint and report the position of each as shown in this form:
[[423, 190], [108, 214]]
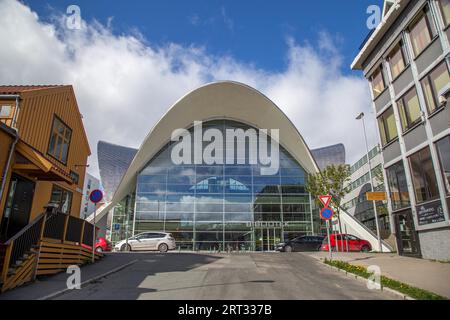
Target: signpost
[[326, 214], [95, 196]]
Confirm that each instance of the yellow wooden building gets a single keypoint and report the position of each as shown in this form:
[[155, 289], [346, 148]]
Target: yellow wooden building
[[43, 154]]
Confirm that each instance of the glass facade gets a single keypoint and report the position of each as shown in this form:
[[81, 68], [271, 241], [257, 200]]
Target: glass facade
[[218, 207]]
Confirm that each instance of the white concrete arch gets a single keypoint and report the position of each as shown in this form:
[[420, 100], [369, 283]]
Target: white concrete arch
[[218, 100]]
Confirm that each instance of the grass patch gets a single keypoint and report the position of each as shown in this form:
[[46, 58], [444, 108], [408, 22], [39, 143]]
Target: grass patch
[[404, 288]]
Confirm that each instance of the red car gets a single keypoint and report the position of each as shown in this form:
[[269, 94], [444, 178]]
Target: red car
[[101, 245], [354, 243]]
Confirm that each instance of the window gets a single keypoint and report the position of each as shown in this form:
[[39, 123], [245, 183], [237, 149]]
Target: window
[[398, 188], [5, 111], [386, 124], [62, 197], [424, 179], [409, 109], [59, 140], [433, 83], [377, 81], [396, 60], [445, 9], [421, 32], [443, 150]]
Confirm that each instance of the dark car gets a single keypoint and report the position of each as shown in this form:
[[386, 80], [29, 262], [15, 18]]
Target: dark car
[[302, 243]]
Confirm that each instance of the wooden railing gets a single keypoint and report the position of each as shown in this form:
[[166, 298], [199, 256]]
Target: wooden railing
[[50, 227]]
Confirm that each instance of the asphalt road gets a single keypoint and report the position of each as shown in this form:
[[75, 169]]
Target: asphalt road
[[190, 276]]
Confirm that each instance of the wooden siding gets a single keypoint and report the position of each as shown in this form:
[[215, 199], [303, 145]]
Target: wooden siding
[[5, 143], [37, 109]]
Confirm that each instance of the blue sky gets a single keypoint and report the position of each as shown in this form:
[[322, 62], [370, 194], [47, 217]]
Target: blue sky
[[132, 60], [251, 31]]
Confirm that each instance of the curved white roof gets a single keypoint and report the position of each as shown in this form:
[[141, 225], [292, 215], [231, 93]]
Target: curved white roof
[[218, 100]]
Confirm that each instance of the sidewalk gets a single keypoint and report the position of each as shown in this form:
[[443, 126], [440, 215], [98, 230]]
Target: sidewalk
[[425, 274], [45, 286]]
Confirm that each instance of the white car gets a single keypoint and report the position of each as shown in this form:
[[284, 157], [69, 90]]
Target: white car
[[160, 241]]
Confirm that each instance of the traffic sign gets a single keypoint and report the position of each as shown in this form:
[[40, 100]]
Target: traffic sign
[[325, 200], [96, 196], [116, 226], [326, 213]]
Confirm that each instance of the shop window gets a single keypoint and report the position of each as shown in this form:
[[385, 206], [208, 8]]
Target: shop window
[[398, 188], [443, 150], [63, 198], [424, 179]]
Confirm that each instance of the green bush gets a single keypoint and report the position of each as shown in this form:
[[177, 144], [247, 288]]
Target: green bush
[[406, 289]]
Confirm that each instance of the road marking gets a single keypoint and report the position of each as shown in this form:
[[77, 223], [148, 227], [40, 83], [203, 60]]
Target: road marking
[[57, 293]]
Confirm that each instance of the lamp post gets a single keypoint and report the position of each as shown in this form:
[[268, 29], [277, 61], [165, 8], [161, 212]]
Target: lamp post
[[361, 117]]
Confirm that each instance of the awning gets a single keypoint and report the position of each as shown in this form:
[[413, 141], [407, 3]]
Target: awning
[[36, 165]]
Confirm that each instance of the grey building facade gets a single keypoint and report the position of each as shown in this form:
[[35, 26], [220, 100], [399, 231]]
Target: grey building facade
[[406, 63], [329, 155]]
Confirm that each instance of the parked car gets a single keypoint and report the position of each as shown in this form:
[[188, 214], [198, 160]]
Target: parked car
[[302, 243], [103, 245], [354, 243], [160, 241]]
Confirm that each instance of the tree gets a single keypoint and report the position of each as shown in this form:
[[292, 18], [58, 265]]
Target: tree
[[330, 181]]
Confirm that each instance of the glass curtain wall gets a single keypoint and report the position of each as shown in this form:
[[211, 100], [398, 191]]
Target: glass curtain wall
[[221, 207]]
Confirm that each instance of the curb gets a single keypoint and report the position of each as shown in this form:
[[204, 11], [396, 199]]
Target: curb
[[57, 293], [351, 275]]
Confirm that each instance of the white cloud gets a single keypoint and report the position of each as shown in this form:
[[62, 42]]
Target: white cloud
[[124, 84]]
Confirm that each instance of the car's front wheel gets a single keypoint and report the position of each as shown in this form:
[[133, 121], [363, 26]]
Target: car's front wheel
[[125, 247], [99, 249], [288, 249], [163, 247]]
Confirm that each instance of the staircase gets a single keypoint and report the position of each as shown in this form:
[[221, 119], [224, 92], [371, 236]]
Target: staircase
[[48, 245]]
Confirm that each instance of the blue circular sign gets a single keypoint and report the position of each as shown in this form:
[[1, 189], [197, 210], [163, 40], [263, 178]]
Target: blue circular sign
[[96, 196], [326, 213]]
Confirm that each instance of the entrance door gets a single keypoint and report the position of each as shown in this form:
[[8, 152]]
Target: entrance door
[[407, 238], [266, 239], [18, 206]]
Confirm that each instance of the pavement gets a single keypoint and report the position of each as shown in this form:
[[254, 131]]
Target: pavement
[[197, 276], [430, 275]]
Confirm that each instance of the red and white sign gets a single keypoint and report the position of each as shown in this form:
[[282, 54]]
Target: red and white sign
[[325, 200]]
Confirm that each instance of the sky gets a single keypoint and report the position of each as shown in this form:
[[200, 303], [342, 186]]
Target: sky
[[131, 60]]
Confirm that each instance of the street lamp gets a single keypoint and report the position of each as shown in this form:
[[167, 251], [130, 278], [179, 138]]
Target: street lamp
[[361, 117]]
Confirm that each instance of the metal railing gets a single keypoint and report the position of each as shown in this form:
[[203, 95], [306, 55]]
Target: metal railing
[[24, 240]]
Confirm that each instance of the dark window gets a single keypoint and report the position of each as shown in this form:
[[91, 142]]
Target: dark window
[[424, 179], [443, 149], [75, 177], [62, 197], [387, 127], [409, 109], [433, 83], [59, 140], [398, 187]]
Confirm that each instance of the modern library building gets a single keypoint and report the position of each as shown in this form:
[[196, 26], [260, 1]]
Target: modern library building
[[244, 193]]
